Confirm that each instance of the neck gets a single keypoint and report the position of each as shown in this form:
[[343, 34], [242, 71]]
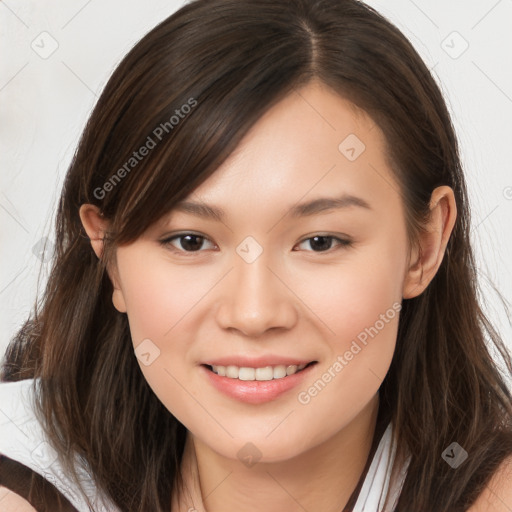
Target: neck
[[322, 478]]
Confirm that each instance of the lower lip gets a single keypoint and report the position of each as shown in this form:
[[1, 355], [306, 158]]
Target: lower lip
[[256, 391]]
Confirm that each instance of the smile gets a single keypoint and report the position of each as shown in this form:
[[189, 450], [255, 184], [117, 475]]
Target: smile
[[245, 385], [264, 373]]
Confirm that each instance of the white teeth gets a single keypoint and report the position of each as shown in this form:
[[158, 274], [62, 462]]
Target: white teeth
[[246, 373], [266, 373], [232, 372], [280, 371], [291, 369]]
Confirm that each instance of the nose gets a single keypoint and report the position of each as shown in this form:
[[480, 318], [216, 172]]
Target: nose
[[255, 299]]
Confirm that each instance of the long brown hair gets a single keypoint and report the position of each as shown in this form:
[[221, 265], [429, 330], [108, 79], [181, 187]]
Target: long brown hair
[[235, 59]]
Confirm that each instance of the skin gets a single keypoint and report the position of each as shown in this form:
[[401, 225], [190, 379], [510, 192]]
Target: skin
[[12, 502], [294, 299], [497, 496]]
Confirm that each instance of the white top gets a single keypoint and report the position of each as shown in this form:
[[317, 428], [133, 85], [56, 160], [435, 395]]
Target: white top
[[376, 485], [22, 439]]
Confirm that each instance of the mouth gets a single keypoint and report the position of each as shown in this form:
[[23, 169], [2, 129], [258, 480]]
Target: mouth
[[255, 385], [265, 373]]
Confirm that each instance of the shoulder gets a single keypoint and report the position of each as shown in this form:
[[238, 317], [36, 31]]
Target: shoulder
[[12, 502], [497, 496]]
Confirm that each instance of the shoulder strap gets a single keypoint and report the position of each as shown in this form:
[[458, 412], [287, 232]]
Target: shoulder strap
[[377, 484], [380, 427]]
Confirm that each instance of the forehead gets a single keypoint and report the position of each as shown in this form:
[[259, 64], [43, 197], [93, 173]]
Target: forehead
[[313, 143]]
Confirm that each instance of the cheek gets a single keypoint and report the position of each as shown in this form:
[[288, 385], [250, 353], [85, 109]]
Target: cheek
[[359, 302], [161, 300], [160, 295], [361, 292], [365, 321]]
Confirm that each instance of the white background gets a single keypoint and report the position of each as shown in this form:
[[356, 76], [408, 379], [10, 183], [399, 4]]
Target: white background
[[44, 103]]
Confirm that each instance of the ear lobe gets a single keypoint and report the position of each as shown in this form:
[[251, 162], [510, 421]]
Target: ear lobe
[[432, 242], [118, 300]]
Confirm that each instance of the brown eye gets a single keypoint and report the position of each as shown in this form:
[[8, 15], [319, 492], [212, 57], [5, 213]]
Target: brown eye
[[186, 242], [323, 243]]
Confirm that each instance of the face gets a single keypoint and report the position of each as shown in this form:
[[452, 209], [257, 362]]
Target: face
[[271, 282]]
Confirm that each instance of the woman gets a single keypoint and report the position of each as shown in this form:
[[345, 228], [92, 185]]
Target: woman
[[320, 346]]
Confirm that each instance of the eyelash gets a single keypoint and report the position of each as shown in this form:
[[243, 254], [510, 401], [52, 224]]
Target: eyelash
[[343, 243]]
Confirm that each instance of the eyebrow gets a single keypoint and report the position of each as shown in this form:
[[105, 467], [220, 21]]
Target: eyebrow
[[313, 207]]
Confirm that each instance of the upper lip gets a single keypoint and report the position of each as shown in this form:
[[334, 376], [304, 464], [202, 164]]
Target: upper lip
[[256, 362]]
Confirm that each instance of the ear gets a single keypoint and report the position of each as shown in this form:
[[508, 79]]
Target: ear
[[95, 226], [428, 255]]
